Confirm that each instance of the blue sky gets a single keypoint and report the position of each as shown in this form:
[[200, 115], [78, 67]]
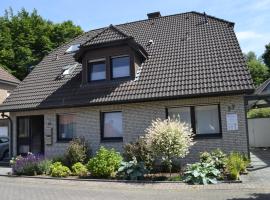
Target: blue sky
[[252, 17]]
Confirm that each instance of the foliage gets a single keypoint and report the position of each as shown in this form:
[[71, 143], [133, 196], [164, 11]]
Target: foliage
[[216, 157], [201, 173], [250, 56], [77, 151], [169, 139], [139, 150], [105, 163], [266, 55], [258, 70], [259, 113], [29, 165], [175, 178], [44, 166], [132, 170], [59, 170], [236, 164], [79, 169], [25, 38]]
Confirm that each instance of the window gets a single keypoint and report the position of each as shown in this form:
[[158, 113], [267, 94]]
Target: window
[[23, 127], [73, 48], [120, 67], [65, 127], [97, 71], [112, 127], [67, 70], [204, 120]]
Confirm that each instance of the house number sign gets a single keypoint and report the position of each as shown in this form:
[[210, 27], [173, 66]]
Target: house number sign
[[232, 122]]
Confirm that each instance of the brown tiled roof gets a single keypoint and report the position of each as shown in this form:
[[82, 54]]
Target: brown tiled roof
[[7, 77], [188, 58]]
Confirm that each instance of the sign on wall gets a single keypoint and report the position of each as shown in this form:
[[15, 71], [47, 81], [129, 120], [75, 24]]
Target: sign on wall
[[232, 122]]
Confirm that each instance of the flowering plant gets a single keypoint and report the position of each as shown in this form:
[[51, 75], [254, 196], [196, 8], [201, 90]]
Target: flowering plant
[[30, 164]]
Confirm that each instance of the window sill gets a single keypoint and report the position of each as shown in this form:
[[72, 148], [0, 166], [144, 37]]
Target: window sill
[[105, 140], [208, 136]]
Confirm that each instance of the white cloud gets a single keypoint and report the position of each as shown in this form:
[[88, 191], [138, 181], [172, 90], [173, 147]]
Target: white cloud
[[246, 35], [253, 41]]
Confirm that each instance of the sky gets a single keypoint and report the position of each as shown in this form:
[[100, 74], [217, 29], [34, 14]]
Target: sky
[[251, 17]]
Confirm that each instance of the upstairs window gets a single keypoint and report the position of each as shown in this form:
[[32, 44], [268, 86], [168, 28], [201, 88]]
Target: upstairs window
[[120, 67], [96, 70]]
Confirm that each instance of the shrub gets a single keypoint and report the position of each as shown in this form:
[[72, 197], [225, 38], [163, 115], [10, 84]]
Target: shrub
[[29, 165], [169, 139], [140, 151], [217, 157], [77, 151], [259, 113], [58, 170], [132, 170], [236, 164], [79, 169], [44, 166], [105, 163], [201, 173]]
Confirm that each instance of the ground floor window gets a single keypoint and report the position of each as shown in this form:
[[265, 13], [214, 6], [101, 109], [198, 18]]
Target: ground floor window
[[204, 120], [111, 126], [65, 127]]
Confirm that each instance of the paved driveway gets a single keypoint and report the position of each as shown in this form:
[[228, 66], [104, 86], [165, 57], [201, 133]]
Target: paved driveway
[[256, 186]]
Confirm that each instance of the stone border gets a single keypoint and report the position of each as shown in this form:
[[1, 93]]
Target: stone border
[[110, 180]]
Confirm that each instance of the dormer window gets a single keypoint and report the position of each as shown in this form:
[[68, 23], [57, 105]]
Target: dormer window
[[96, 70], [120, 66], [73, 48]]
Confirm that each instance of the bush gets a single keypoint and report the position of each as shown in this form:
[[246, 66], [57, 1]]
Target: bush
[[259, 113], [169, 139], [58, 170], [29, 165], [236, 164], [140, 151], [132, 170], [217, 157], [79, 169], [105, 163], [44, 167], [201, 173], [77, 151]]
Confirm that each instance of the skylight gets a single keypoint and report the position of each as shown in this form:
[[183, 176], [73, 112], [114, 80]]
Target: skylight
[[73, 48], [67, 70]]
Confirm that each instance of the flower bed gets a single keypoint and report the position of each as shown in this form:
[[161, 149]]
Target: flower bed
[[165, 142]]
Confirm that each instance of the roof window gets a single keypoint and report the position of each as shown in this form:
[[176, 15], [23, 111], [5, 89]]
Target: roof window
[[68, 69], [73, 48]]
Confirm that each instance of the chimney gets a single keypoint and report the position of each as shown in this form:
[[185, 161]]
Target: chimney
[[154, 15]]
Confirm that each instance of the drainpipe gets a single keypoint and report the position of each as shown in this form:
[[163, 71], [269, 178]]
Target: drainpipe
[[3, 115]]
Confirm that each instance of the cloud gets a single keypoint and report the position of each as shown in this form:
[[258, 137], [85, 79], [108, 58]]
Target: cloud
[[246, 35], [253, 41]]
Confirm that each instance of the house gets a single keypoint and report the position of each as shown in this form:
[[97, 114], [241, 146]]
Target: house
[[108, 84], [7, 83]]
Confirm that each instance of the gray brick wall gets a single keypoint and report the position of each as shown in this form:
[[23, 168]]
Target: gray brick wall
[[138, 116]]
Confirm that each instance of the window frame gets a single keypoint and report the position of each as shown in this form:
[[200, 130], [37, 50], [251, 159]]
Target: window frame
[[102, 120], [90, 69], [60, 139], [111, 67], [193, 120]]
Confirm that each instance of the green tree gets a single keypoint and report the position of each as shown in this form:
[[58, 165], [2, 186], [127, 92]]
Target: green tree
[[25, 38], [266, 55], [258, 70]]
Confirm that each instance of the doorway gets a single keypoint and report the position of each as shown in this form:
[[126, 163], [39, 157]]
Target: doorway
[[30, 134]]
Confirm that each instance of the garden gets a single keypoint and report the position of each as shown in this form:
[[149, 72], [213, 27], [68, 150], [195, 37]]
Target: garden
[[153, 157]]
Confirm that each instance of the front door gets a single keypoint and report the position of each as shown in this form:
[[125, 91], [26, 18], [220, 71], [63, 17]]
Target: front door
[[30, 135]]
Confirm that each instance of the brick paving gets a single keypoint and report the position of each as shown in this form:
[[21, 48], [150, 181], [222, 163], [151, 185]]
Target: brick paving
[[256, 186]]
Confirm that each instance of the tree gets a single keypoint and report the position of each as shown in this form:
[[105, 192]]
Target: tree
[[25, 38], [266, 55], [258, 70], [169, 139]]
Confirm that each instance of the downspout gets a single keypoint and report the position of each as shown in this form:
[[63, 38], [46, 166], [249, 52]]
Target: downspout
[[3, 115], [246, 119]]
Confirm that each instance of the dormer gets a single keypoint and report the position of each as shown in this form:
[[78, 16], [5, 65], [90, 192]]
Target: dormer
[[110, 55]]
